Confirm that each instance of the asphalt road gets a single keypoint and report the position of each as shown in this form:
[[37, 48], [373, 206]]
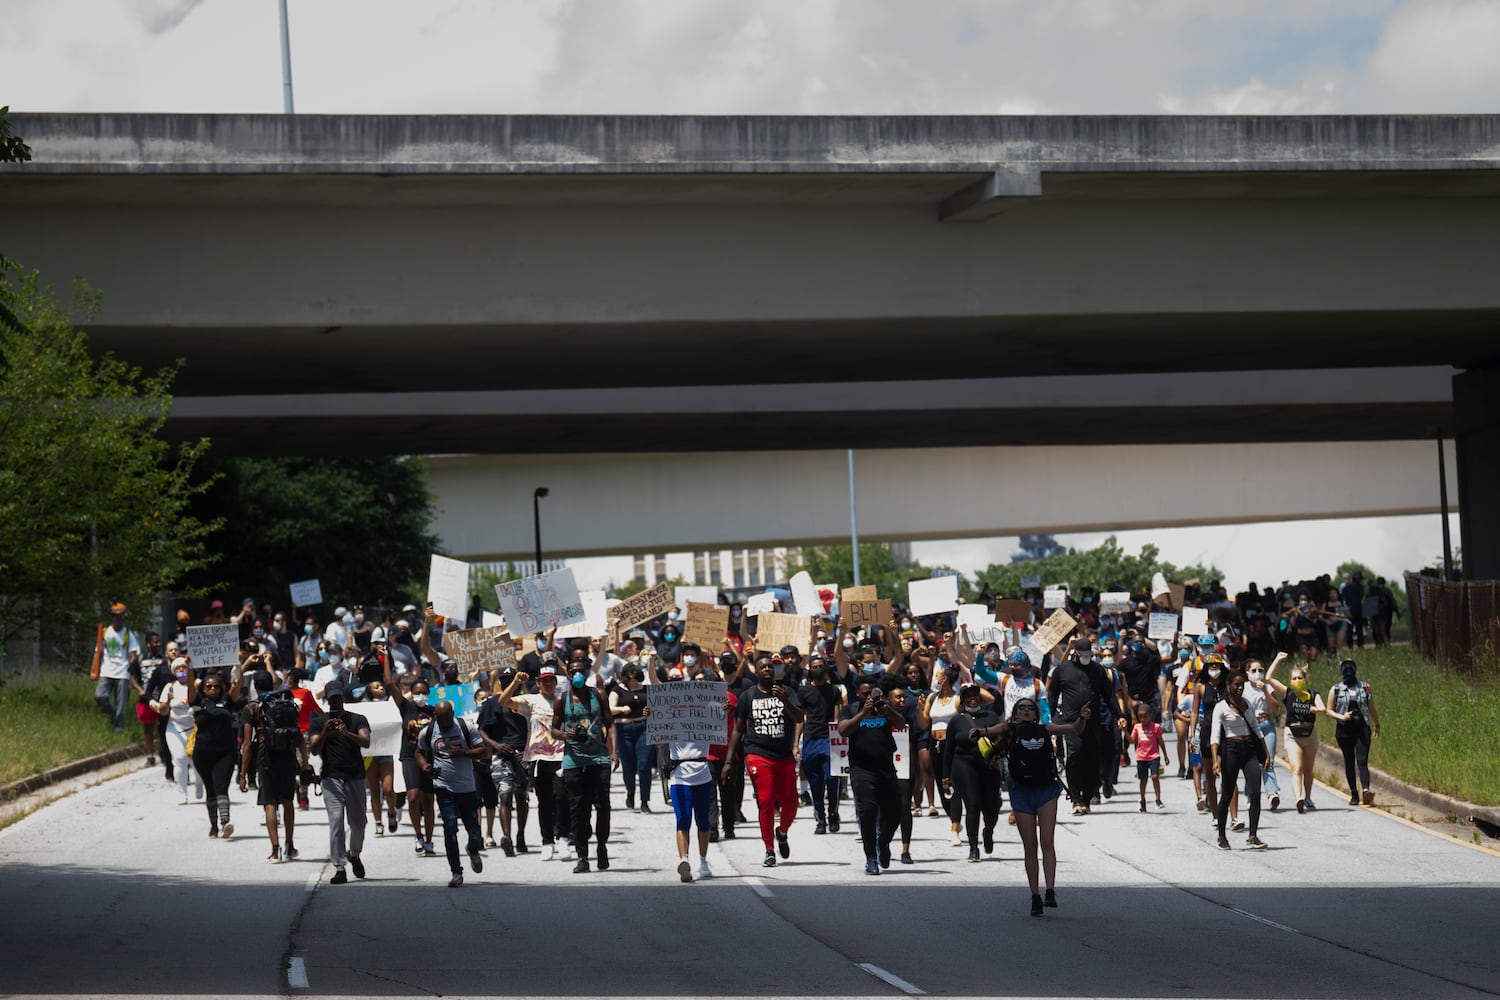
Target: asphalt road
[[118, 891]]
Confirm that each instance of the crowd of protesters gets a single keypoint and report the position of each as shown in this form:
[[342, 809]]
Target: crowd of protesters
[[988, 728]]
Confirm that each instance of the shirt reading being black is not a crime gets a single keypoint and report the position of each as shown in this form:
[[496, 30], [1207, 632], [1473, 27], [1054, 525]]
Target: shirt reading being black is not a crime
[[769, 730]]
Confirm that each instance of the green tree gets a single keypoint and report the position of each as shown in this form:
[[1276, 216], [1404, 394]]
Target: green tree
[[94, 506], [361, 526], [483, 579], [877, 565], [1104, 567]]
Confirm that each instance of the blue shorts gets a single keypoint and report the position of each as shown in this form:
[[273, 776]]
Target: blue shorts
[[691, 802], [1147, 769], [1027, 800]]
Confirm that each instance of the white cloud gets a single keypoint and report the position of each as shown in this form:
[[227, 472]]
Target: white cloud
[[1438, 55]]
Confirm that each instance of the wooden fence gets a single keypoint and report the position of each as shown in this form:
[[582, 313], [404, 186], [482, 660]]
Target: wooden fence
[[1456, 625]]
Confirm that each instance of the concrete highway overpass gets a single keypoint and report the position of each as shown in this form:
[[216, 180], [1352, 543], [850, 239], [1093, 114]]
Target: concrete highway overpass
[[510, 286]]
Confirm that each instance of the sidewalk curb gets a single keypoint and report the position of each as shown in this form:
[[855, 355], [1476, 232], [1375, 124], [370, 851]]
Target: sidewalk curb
[[1393, 788], [72, 769]]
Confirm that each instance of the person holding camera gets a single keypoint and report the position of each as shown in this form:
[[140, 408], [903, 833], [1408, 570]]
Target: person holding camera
[[581, 721], [445, 752], [338, 737], [872, 770], [766, 719]]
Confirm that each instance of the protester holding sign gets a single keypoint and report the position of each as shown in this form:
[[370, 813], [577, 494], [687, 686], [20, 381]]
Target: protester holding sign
[[410, 696], [215, 721]]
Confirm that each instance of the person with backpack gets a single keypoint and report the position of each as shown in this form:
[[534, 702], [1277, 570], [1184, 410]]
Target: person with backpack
[[581, 721], [446, 751], [1351, 702], [339, 737], [271, 725]]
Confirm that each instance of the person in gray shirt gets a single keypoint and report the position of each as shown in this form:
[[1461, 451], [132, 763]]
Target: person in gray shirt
[[446, 750]]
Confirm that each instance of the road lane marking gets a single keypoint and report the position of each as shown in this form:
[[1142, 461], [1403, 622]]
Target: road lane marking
[[759, 887], [296, 974], [1263, 920], [892, 979]]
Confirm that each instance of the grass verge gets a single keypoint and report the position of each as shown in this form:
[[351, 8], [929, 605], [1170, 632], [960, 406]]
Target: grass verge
[[52, 721], [1438, 730]]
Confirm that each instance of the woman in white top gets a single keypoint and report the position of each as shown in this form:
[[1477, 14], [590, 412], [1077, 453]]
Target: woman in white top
[[934, 712], [174, 707], [1265, 707], [1236, 743]]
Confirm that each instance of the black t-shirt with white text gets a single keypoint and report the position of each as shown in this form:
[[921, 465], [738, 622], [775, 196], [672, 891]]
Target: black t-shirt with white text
[[871, 745], [769, 729]]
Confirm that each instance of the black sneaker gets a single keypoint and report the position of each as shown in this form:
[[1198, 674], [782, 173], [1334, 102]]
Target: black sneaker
[[1050, 898], [883, 855], [1223, 843], [507, 847], [582, 866], [782, 845], [684, 870], [213, 833], [729, 833], [713, 836], [521, 847], [357, 866], [392, 820], [475, 861], [645, 808], [1036, 905], [1255, 843], [906, 858], [770, 861], [820, 829], [974, 855], [630, 802], [339, 878], [833, 824], [989, 840], [1143, 805], [603, 858], [457, 881]]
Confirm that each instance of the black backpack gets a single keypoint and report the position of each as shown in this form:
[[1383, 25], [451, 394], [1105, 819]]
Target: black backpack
[[279, 711]]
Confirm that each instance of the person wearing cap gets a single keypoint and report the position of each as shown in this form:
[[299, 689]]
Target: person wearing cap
[[765, 726], [216, 615], [339, 737], [337, 632], [543, 758], [581, 720], [505, 732], [1075, 682], [118, 652]]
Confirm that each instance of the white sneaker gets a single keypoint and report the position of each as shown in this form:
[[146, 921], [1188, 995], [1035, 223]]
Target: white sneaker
[[703, 870], [551, 853]]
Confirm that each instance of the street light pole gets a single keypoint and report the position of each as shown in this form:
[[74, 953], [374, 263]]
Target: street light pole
[[536, 511], [853, 519], [286, 64]]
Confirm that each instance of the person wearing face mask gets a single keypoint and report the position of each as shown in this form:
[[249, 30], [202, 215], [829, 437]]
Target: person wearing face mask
[[339, 738], [918, 687], [1207, 693], [215, 721], [973, 778], [1018, 682], [1303, 706], [627, 705], [337, 631], [1180, 696], [448, 750], [581, 720], [821, 700], [410, 697], [1351, 702], [1265, 708], [766, 718], [868, 724], [309, 638], [1076, 682], [668, 644], [174, 706], [934, 712], [361, 629], [1235, 743]]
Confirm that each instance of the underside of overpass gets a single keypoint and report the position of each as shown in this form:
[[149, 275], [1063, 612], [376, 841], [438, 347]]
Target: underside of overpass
[[589, 285]]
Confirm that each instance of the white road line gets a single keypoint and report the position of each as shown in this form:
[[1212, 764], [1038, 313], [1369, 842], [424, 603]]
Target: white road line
[[1263, 920], [891, 978], [759, 887], [296, 974]]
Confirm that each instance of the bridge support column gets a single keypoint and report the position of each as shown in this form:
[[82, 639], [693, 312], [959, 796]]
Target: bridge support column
[[1476, 406]]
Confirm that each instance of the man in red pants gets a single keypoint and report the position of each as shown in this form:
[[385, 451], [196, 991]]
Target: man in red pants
[[765, 725]]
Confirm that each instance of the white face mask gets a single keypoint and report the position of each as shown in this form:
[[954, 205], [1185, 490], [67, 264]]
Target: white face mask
[[689, 661], [419, 699], [351, 661], [1213, 673], [1257, 676], [848, 643]]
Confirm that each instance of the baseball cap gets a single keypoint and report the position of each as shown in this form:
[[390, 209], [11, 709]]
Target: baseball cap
[[1082, 646], [789, 651], [548, 670], [340, 611], [216, 603], [333, 690], [408, 607], [117, 608]]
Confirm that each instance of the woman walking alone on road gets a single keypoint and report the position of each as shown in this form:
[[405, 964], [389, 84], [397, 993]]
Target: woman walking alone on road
[[1351, 702]]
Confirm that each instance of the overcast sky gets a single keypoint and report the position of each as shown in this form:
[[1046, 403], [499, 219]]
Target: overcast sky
[[798, 57], [770, 56]]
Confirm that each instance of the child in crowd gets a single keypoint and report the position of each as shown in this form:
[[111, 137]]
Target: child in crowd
[[1150, 752]]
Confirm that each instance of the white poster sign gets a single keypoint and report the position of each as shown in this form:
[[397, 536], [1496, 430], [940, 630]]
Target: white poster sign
[[306, 593], [805, 595], [448, 588], [975, 616], [594, 621], [1114, 602], [838, 751], [214, 645], [488, 619], [1054, 597], [1161, 625], [385, 728], [936, 596], [699, 595], [760, 604], [1030, 581], [1036, 655], [1194, 621], [533, 603], [686, 711], [1159, 586]]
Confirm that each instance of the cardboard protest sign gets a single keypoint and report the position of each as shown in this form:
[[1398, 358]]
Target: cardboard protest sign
[[1177, 594], [1114, 602], [1054, 597], [385, 728], [706, 625], [865, 593], [307, 593], [1194, 621], [448, 587], [759, 604], [838, 750], [975, 616], [774, 631], [488, 619], [213, 645], [985, 634], [481, 649], [462, 696], [1031, 581], [1013, 611], [936, 596], [534, 603], [686, 711], [805, 595], [638, 608], [1053, 630], [702, 595], [864, 614], [1161, 625]]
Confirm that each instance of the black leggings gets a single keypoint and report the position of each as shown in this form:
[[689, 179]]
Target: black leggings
[[215, 768], [877, 807], [905, 787], [1354, 740], [1236, 756], [979, 788], [1084, 765], [551, 802]]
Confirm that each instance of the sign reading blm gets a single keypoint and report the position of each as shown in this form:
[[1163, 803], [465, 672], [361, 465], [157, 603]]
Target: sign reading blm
[[214, 645], [686, 711]]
